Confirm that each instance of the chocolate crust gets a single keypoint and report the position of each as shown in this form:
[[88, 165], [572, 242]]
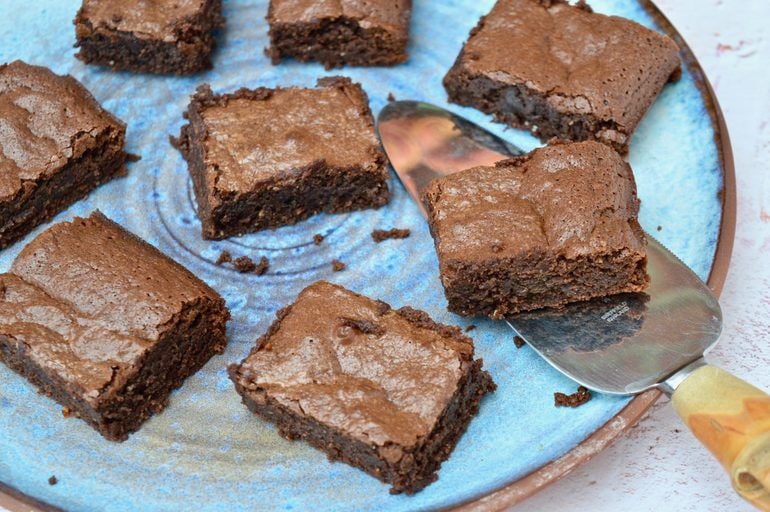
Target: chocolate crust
[[538, 93], [286, 197], [189, 53], [338, 40], [407, 468]]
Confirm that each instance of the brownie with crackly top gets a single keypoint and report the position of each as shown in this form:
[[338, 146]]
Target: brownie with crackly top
[[105, 324], [387, 391]]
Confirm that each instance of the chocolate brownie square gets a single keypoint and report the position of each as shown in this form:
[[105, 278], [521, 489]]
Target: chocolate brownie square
[[105, 324], [563, 71], [371, 33], [157, 36], [389, 392], [57, 144], [555, 226], [265, 158]]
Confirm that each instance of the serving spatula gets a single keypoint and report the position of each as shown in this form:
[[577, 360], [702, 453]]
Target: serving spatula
[[623, 344]]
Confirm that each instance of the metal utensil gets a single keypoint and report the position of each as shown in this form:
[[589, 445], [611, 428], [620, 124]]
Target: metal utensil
[[623, 344]]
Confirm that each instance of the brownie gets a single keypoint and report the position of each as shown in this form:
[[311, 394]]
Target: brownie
[[264, 158], [337, 33], [56, 145], [387, 391], [105, 324], [563, 71], [555, 226], [158, 36]]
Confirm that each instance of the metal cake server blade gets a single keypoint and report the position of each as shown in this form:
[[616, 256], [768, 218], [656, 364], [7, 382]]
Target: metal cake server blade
[[622, 344]]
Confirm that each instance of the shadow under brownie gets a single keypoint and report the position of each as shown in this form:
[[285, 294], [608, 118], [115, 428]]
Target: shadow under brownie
[[57, 144], [105, 324], [387, 391], [265, 158]]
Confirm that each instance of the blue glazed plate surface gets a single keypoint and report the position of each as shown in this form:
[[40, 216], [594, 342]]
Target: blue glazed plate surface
[[206, 451]]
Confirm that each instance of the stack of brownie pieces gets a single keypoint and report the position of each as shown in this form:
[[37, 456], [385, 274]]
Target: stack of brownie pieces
[[387, 391]]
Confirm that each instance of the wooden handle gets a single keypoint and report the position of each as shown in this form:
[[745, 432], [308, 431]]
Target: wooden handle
[[732, 419]]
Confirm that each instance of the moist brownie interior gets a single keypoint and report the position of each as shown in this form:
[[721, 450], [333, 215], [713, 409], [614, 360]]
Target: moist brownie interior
[[556, 226], [389, 392], [158, 36], [269, 157], [563, 71], [336, 33], [56, 145], [105, 324]]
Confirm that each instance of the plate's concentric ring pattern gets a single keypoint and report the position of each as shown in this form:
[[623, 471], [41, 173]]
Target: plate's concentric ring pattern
[[206, 451]]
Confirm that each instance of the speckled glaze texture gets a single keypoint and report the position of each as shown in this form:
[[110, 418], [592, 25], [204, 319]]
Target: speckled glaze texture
[[206, 448]]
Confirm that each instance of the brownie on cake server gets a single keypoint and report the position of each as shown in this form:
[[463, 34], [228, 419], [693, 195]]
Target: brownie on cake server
[[387, 391], [57, 144], [340, 32], [157, 36], [562, 70], [264, 158], [105, 324], [558, 225]]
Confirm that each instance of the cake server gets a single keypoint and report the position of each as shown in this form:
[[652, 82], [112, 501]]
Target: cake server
[[623, 344]]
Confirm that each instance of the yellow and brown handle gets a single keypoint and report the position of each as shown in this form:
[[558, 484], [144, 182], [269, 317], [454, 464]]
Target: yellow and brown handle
[[732, 419]]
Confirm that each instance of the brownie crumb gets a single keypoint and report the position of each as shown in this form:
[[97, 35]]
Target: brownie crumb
[[52, 480], [224, 257], [574, 400], [660, 228], [130, 157], [66, 412], [244, 264], [338, 266], [391, 97], [380, 235], [470, 328], [519, 341], [262, 267], [363, 326], [318, 238]]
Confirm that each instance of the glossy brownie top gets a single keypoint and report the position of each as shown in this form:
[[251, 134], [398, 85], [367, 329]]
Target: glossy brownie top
[[352, 363], [587, 63], [45, 121], [390, 15], [156, 19], [88, 299], [254, 136], [570, 199]]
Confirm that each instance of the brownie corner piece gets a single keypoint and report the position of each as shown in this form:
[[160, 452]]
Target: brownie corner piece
[[162, 36], [373, 33], [263, 158], [334, 351], [563, 71], [112, 347], [57, 144], [558, 225]]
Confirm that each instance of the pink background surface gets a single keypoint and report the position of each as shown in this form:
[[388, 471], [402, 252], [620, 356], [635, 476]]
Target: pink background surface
[[659, 465]]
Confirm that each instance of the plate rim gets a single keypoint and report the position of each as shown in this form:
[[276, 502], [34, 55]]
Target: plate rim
[[515, 492]]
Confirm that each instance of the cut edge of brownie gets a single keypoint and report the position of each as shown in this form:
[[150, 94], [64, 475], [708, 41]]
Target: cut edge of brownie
[[521, 106], [308, 190], [121, 50], [408, 471], [336, 42], [76, 179]]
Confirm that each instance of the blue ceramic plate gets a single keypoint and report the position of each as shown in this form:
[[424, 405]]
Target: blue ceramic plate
[[206, 451]]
